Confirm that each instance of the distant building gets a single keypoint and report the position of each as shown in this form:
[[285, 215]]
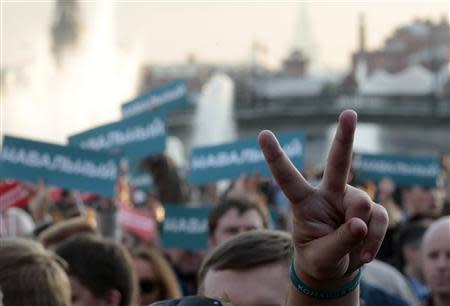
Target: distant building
[[296, 64], [155, 75], [421, 44]]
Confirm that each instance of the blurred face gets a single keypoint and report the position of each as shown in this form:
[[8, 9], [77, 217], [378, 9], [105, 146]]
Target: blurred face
[[436, 259], [386, 186], [149, 287], [81, 296], [413, 259], [233, 223], [420, 200], [265, 285]]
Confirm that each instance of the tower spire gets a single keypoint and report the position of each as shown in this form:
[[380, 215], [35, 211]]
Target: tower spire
[[362, 33], [303, 40]]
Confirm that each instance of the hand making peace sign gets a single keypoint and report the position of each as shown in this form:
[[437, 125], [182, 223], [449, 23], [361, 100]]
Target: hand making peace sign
[[337, 227]]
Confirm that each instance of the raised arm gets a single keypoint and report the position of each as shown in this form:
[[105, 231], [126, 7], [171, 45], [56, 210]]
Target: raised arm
[[337, 228]]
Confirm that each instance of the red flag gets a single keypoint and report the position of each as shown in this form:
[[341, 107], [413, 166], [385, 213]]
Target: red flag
[[137, 222], [13, 194]]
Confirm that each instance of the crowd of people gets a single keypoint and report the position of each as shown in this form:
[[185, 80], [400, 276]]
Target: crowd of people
[[339, 241]]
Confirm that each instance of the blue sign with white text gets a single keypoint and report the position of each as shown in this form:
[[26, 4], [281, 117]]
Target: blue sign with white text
[[133, 138], [164, 98], [231, 160], [61, 166], [185, 227], [138, 176], [403, 170]]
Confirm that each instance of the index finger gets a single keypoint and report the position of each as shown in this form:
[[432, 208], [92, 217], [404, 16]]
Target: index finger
[[340, 155], [293, 184]]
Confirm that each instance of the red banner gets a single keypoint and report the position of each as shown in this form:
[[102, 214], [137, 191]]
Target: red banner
[[136, 222], [13, 194]]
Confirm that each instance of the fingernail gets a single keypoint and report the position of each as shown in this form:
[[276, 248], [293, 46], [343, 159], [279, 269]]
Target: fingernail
[[366, 257]]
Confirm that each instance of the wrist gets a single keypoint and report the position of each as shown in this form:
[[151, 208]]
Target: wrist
[[323, 288], [328, 281], [324, 283]]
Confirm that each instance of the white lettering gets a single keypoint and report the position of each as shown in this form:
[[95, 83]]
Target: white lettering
[[155, 100], [397, 168], [223, 159], [190, 225], [118, 138], [60, 163]]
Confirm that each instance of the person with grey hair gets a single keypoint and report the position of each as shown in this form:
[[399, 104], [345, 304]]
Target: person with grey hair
[[436, 261]]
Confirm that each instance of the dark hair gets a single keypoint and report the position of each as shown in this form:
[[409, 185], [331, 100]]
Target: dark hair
[[248, 250], [30, 275], [170, 186], [418, 218], [100, 265], [242, 204], [408, 235]]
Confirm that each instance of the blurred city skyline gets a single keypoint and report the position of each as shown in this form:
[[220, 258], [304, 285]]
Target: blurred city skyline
[[166, 33]]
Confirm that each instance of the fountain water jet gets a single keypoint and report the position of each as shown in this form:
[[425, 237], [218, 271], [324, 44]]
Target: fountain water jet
[[81, 89]]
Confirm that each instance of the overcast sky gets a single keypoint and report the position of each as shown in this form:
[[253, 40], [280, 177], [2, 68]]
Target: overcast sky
[[221, 32]]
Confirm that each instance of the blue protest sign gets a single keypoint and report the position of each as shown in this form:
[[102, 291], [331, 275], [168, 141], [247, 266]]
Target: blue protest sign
[[133, 138], [164, 98], [140, 180], [231, 160], [403, 170], [138, 177], [185, 227], [61, 166]]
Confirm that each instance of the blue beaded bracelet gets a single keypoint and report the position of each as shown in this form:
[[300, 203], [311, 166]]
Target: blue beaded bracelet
[[323, 294]]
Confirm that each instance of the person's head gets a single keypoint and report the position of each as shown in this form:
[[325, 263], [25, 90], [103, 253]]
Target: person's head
[[233, 216], [409, 241], [100, 271], [29, 275], [436, 258], [249, 269], [421, 200], [57, 233], [156, 279]]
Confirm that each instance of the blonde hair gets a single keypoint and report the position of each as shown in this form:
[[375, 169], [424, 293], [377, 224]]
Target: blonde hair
[[163, 271], [30, 275], [63, 230]]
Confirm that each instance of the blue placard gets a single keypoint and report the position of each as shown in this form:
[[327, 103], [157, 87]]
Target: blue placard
[[138, 177], [231, 160], [185, 227], [164, 98], [133, 138], [61, 166], [403, 170], [141, 180]]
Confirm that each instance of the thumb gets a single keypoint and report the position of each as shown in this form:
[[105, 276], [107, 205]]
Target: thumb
[[345, 238], [332, 248]]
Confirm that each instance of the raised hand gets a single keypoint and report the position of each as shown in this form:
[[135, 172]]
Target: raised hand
[[337, 227]]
